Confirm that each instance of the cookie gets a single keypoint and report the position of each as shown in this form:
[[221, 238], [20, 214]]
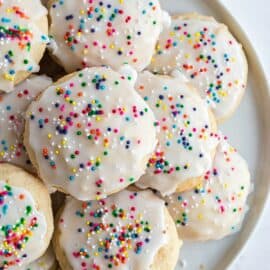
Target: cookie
[[108, 32], [217, 207], [23, 34], [26, 221], [12, 112], [90, 134], [186, 131], [207, 54], [128, 230], [46, 262]]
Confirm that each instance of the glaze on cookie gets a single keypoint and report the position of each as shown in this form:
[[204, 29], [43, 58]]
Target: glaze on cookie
[[186, 134], [23, 35], [216, 208], [206, 53], [108, 32], [90, 134], [128, 230], [12, 112], [26, 223]]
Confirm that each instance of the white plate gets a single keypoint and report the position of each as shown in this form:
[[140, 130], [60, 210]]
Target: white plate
[[248, 131]]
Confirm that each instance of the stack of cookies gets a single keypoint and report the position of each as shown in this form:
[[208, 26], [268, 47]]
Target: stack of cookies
[[110, 150]]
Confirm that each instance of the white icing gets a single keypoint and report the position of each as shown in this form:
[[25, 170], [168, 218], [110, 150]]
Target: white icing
[[108, 32], [217, 208], [186, 138], [14, 203], [115, 138], [12, 111], [46, 262], [226, 67], [19, 32], [124, 221], [129, 72]]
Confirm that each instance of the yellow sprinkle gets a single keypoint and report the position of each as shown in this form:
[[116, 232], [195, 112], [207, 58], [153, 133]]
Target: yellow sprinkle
[[203, 201], [64, 142], [9, 77], [49, 135], [82, 11], [200, 216], [198, 34], [2, 153], [172, 34], [112, 46], [182, 38], [164, 107], [74, 170]]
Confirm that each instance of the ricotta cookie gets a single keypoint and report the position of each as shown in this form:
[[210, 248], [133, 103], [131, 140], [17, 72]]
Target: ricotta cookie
[[45, 262], [90, 134], [216, 208], [108, 32], [12, 112], [209, 56], [128, 230], [26, 221], [186, 130], [23, 36]]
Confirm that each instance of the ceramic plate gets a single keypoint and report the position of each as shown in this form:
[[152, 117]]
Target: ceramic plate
[[248, 131]]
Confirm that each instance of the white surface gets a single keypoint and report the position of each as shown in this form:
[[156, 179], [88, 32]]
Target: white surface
[[254, 17]]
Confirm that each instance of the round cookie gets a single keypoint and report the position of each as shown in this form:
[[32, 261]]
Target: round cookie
[[23, 34], [12, 112], [108, 32], [186, 131], [90, 134], [128, 230], [46, 262], [217, 207], [207, 54], [26, 221]]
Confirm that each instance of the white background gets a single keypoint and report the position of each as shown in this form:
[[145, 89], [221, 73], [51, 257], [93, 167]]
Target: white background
[[254, 17]]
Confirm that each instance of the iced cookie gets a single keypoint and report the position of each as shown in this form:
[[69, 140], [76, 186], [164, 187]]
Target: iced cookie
[[128, 230], [208, 56], [108, 32], [12, 112], [186, 134], [26, 221], [90, 134], [217, 207], [45, 262], [23, 34]]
